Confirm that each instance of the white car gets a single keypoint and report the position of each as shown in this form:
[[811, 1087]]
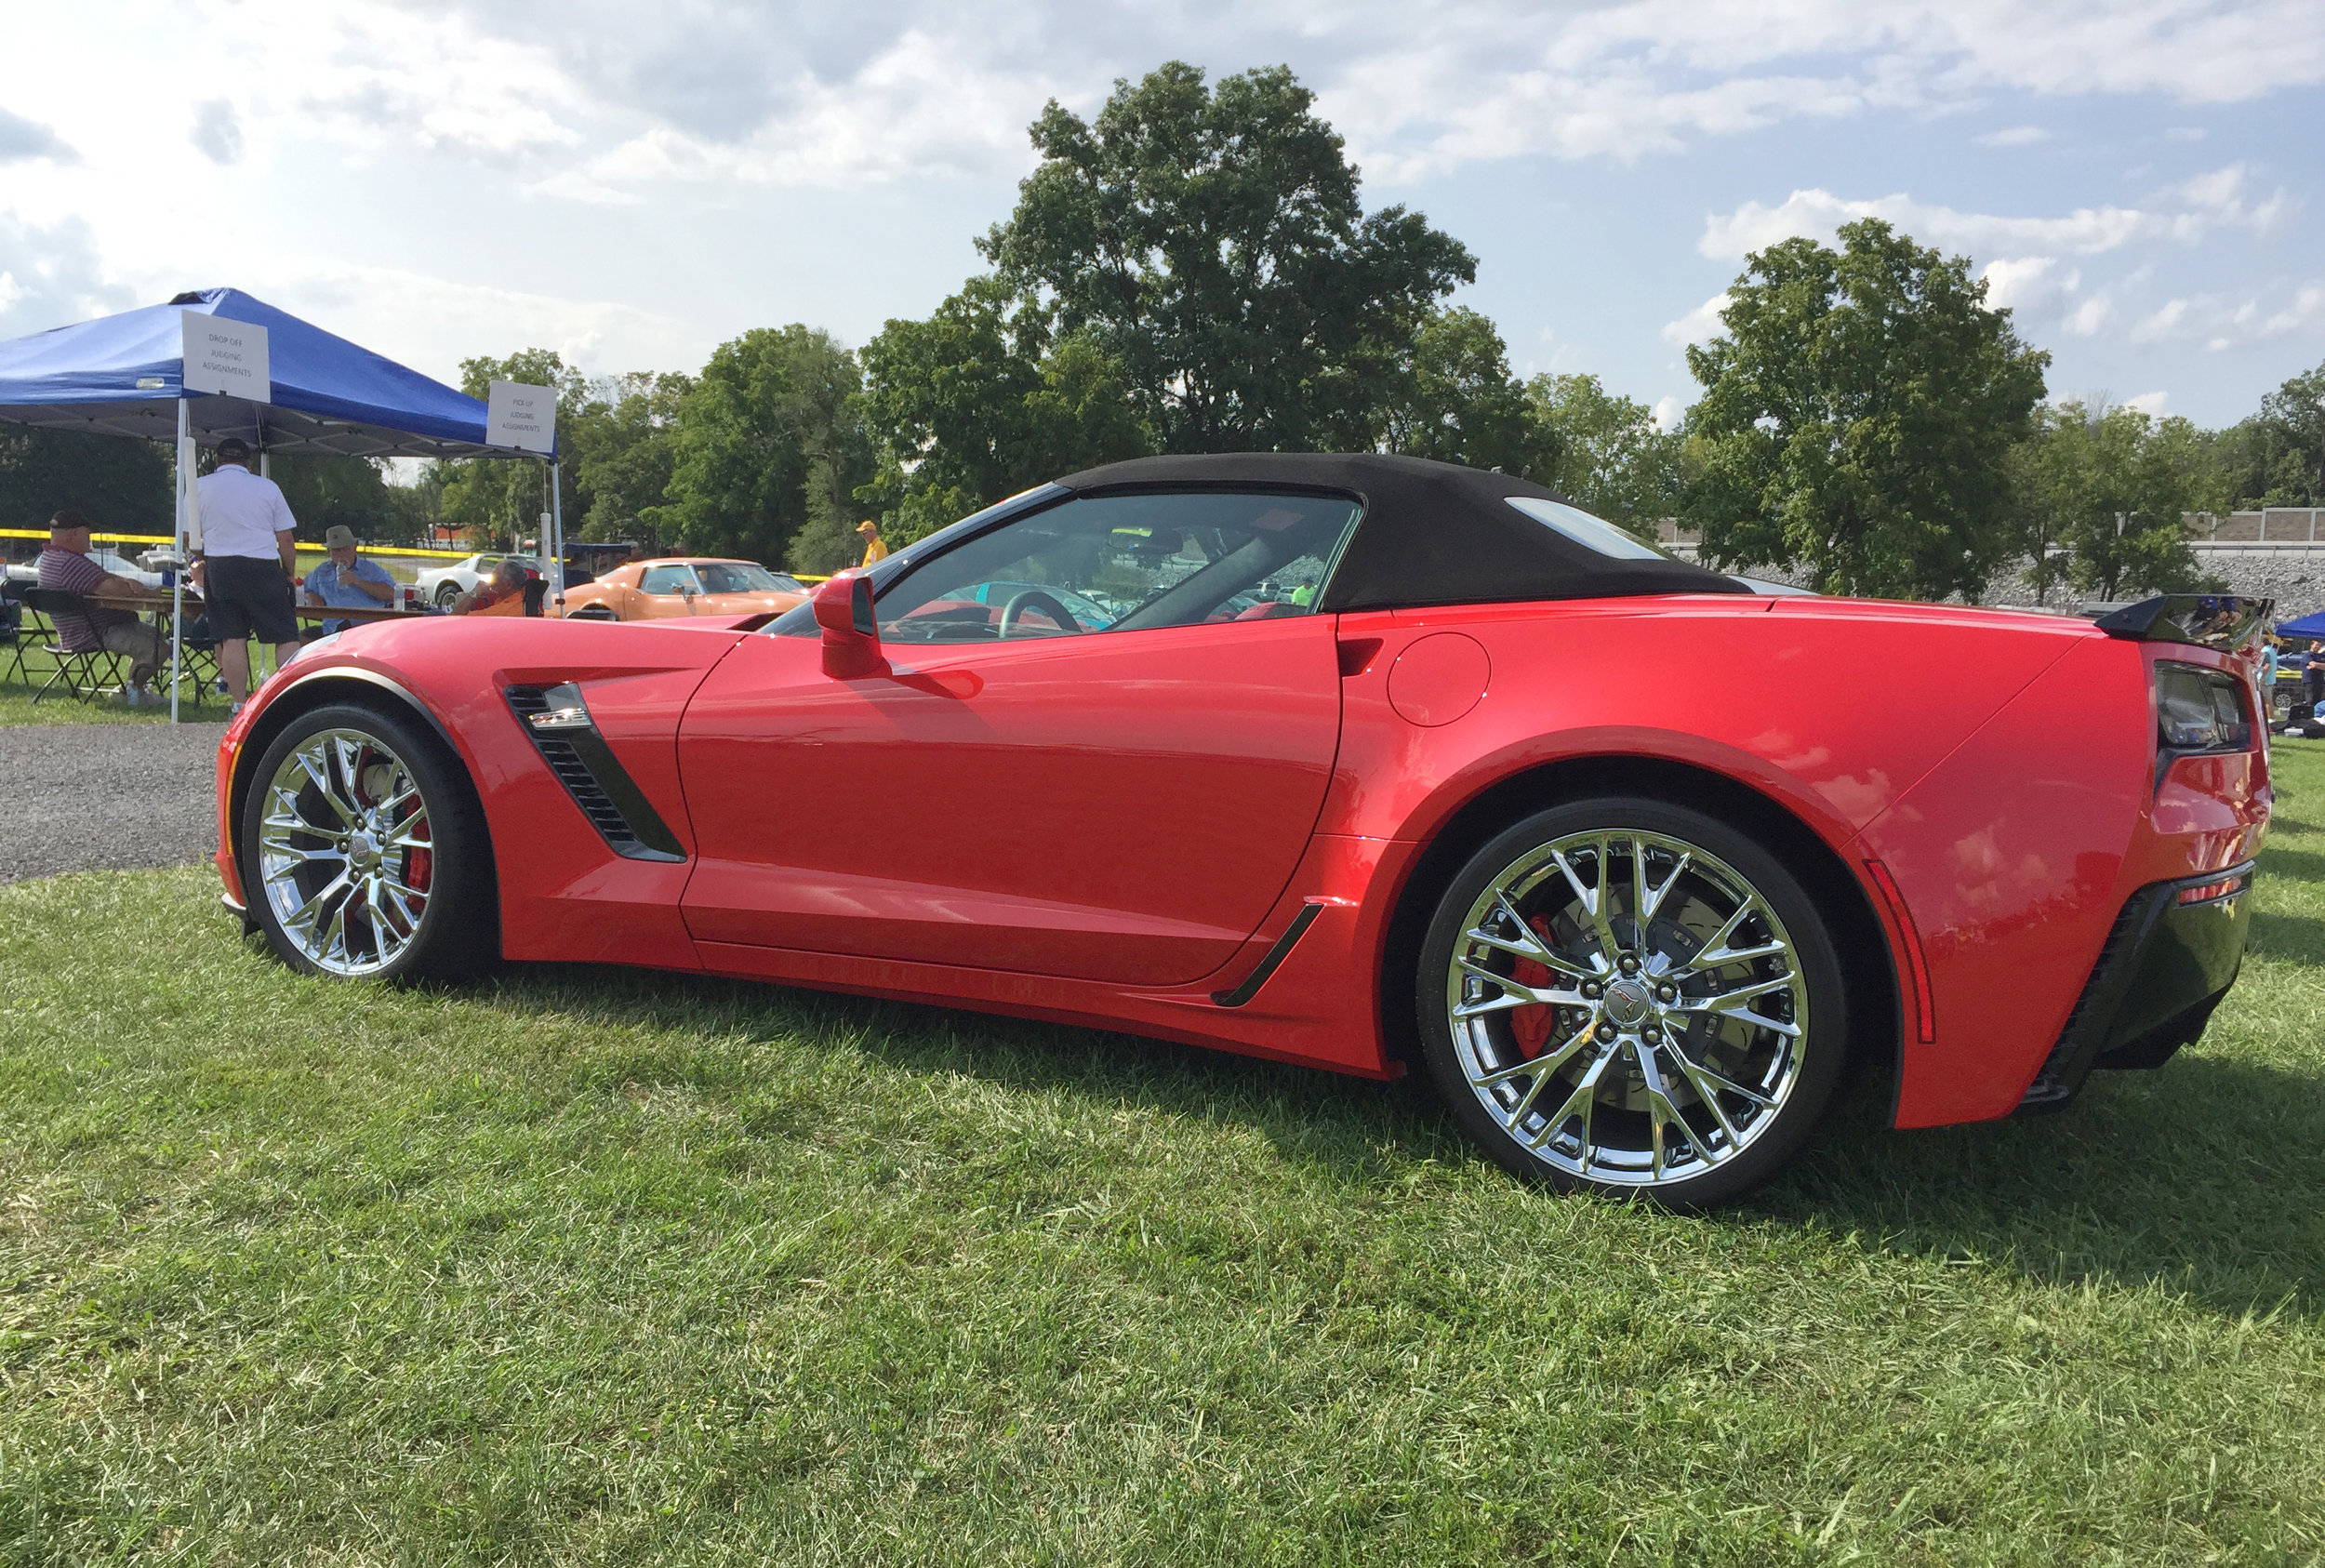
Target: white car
[[441, 585], [112, 561]]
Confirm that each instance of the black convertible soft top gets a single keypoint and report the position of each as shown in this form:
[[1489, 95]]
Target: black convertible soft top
[[1433, 533]]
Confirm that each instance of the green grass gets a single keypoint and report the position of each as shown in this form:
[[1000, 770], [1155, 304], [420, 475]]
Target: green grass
[[59, 707], [586, 1266]]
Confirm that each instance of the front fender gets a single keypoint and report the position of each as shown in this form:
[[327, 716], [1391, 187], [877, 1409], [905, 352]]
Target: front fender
[[564, 893]]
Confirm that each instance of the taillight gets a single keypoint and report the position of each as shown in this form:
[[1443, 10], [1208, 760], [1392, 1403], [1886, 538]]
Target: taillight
[[2201, 710]]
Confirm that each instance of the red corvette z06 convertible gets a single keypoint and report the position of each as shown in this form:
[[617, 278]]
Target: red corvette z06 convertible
[[1357, 762]]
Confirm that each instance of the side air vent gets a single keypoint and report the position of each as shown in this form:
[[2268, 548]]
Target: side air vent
[[558, 722], [2056, 1083]]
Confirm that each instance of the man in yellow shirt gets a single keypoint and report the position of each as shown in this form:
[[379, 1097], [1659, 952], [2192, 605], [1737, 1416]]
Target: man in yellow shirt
[[873, 549]]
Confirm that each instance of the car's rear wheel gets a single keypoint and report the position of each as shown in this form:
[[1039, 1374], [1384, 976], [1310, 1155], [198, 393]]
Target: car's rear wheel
[[1632, 996], [364, 853], [446, 593]]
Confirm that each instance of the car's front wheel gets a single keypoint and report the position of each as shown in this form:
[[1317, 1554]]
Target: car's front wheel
[[1632, 996], [364, 851]]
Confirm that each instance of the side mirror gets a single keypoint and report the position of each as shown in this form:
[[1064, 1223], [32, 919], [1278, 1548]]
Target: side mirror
[[851, 637]]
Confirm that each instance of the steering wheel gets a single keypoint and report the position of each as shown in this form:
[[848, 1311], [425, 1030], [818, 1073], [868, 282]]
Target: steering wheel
[[1042, 601]]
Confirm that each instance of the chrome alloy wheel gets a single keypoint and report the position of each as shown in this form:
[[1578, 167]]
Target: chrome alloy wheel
[[1627, 1007], [346, 854]]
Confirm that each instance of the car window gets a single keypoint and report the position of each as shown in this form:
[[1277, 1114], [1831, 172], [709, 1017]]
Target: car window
[[667, 579], [739, 577], [1125, 564], [1594, 533]]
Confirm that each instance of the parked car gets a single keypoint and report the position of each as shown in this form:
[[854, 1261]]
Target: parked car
[[1442, 810], [110, 559], [687, 586], [441, 585]]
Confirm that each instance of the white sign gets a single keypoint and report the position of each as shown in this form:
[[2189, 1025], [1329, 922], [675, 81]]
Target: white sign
[[226, 357], [523, 417]]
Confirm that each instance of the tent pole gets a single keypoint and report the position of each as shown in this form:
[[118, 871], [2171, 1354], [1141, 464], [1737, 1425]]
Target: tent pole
[[177, 577], [557, 531]]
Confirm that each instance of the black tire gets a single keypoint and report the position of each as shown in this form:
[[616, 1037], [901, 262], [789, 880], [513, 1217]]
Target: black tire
[[1738, 1093], [400, 917], [446, 593]]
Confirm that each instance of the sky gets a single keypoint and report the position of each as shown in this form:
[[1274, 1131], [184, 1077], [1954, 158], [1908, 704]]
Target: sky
[[2139, 181]]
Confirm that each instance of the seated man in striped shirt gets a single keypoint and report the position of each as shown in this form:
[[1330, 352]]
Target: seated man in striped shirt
[[65, 564]]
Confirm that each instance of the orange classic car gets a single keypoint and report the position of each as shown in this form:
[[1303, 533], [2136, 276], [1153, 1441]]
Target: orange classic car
[[660, 589]]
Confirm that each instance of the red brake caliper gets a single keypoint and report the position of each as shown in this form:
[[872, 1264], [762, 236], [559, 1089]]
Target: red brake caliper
[[418, 862], [1531, 1026]]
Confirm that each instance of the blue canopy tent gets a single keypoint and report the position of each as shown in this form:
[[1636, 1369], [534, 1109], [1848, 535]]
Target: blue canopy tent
[[2307, 626], [124, 375]]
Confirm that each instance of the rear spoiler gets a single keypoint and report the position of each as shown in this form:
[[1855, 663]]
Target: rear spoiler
[[2225, 621]]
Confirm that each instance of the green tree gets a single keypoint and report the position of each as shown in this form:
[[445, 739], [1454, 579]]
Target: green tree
[[1613, 460], [769, 441], [416, 502], [1211, 243], [2105, 492], [1456, 401], [979, 402], [624, 443], [1857, 418], [327, 491], [122, 486], [2276, 457]]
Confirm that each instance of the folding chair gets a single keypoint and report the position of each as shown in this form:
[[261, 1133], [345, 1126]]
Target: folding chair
[[78, 671], [197, 657], [13, 630]]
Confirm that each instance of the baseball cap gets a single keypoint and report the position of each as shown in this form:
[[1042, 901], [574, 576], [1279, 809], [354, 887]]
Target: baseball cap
[[234, 449], [339, 536]]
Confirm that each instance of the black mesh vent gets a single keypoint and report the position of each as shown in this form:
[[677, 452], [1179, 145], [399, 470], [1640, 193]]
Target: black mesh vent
[[571, 771], [2050, 1085]]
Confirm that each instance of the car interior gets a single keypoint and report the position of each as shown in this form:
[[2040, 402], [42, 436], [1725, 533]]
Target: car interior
[[1125, 562]]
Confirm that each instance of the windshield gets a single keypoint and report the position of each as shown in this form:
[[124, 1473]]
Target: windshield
[[1125, 562], [1593, 533], [739, 576]]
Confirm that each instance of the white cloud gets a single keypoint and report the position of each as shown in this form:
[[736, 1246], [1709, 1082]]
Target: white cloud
[[53, 275], [23, 139], [1466, 81], [2091, 317], [1668, 412], [2151, 404], [1700, 325], [2187, 213], [2306, 312], [2025, 282], [794, 93], [2014, 136], [217, 132], [2163, 323], [2228, 321], [433, 323], [909, 112]]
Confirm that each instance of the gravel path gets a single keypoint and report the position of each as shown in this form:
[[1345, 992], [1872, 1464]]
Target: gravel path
[[87, 797]]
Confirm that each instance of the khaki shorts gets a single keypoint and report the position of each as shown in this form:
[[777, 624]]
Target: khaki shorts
[[143, 646]]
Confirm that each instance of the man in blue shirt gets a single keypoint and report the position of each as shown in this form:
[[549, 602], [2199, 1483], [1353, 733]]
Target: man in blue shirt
[[346, 581]]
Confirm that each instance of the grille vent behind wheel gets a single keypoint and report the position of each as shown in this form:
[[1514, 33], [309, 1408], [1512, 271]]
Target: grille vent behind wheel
[[596, 782], [2050, 1086]]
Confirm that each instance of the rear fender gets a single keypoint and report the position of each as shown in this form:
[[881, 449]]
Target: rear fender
[[2014, 890]]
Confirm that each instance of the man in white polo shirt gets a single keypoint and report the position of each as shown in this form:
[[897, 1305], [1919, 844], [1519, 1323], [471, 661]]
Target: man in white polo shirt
[[246, 562]]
